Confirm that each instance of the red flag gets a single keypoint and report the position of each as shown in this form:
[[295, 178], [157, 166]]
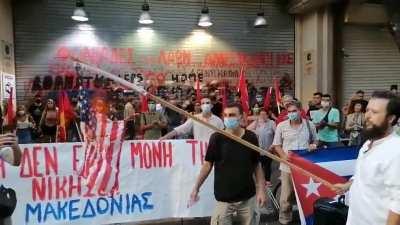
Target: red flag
[[309, 190], [143, 105], [244, 96], [66, 115], [224, 100], [278, 95], [198, 91], [10, 114], [267, 99]]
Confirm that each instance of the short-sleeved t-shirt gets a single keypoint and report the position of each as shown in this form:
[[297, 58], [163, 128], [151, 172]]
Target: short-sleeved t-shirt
[[293, 139], [234, 167], [150, 118], [200, 131], [327, 134]]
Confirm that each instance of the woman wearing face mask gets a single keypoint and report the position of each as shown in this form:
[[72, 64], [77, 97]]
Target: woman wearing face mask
[[265, 130], [355, 121], [24, 126], [49, 121]]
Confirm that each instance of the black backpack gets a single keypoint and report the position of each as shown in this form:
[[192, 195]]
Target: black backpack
[[8, 202], [327, 211]]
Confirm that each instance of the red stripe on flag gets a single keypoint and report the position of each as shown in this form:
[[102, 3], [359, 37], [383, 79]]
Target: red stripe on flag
[[109, 156], [93, 177], [116, 183]]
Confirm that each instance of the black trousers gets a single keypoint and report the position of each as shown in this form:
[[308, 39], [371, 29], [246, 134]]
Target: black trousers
[[266, 165]]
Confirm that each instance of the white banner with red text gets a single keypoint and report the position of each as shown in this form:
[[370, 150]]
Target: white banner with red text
[[154, 180]]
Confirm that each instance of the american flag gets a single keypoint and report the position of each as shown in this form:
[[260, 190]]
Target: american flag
[[102, 144]]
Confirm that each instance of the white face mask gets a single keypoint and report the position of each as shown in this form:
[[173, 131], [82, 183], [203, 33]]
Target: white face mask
[[325, 104], [206, 108]]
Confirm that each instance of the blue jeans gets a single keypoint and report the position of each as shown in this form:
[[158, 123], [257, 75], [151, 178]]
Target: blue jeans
[[24, 136]]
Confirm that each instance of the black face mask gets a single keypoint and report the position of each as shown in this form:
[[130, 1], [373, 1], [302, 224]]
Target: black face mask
[[38, 101]]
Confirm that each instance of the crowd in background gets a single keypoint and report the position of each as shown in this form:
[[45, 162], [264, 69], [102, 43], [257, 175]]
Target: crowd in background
[[39, 120]]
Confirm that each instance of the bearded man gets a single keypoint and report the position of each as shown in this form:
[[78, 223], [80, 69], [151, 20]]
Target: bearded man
[[375, 186]]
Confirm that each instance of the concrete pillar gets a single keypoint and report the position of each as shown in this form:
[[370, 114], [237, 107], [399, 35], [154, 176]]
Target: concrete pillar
[[314, 53], [7, 61], [6, 37]]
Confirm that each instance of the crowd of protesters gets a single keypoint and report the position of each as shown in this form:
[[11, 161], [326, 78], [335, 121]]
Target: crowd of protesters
[[278, 124], [38, 121]]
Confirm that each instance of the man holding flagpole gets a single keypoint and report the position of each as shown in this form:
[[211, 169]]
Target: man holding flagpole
[[375, 186], [199, 131], [235, 167]]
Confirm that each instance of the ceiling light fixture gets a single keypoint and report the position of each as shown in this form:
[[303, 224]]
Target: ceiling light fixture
[[260, 19], [205, 20], [145, 17], [79, 13]]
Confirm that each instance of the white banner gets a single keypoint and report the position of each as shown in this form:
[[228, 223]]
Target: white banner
[[155, 181]]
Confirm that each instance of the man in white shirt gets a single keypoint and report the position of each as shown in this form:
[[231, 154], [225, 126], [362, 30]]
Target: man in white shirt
[[375, 186], [199, 131], [10, 153]]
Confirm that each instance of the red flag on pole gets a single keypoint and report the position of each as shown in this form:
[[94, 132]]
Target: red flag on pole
[[224, 100], [244, 96], [10, 114], [198, 91], [66, 115], [267, 99], [143, 106], [278, 95]]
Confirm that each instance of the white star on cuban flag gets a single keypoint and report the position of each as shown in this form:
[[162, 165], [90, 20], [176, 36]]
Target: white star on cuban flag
[[312, 188]]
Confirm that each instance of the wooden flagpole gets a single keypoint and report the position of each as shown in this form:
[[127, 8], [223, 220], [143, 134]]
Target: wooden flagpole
[[188, 115]]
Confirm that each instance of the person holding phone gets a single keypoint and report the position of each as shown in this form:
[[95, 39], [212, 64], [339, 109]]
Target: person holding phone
[[10, 153]]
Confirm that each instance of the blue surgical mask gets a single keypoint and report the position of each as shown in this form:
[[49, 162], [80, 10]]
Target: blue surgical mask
[[231, 122], [206, 108], [293, 116]]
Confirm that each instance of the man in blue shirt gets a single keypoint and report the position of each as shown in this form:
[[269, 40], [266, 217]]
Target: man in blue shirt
[[327, 122]]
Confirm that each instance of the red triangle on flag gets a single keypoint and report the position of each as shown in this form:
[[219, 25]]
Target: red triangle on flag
[[308, 190]]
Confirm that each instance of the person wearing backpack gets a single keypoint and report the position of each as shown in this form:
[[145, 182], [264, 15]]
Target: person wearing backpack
[[10, 153], [327, 122]]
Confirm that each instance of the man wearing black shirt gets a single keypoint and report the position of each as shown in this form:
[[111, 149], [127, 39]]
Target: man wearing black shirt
[[217, 105], [235, 168]]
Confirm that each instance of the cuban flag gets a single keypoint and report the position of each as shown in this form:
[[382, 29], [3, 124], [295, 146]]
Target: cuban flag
[[335, 165]]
